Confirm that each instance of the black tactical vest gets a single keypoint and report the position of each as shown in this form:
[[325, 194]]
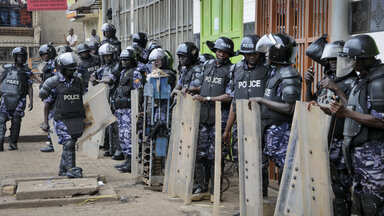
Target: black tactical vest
[[122, 97], [88, 66], [14, 85], [106, 70], [371, 85], [270, 93], [250, 83], [214, 83], [69, 102], [47, 72], [188, 74]]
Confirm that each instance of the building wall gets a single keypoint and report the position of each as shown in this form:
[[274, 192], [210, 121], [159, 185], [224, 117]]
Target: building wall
[[54, 25]]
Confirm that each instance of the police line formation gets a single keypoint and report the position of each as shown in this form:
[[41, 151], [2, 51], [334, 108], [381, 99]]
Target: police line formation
[[265, 75]]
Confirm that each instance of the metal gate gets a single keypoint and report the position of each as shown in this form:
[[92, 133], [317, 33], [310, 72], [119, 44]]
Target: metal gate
[[305, 20], [168, 21]]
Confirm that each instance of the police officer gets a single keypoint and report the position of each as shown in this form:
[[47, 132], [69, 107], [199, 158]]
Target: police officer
[[249, 80], [163, 59], [142, 66], [109, 32], [88, 63], [205, 57], [215, 87], [130, 79], [48, 54], [94, 47], [109, 73], [64, 92], [16, 83], [189, 66], [283, 88], [153, 44], [140, 39], [332, 85], [363, 144]]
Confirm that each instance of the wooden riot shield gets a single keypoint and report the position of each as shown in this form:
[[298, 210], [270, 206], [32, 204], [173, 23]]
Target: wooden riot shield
[[249, 144], [134, 132], [182, 149], [305, 188], [217, 189]]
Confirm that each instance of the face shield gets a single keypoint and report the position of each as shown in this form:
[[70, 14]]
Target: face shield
[[69, 61], [344, 66], [265, 42]]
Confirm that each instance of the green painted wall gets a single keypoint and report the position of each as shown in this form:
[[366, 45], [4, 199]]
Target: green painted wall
[[221, 18]]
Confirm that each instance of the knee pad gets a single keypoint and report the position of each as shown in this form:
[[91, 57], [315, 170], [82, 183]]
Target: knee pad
[[16, 120], [370, 204], [3, 118]]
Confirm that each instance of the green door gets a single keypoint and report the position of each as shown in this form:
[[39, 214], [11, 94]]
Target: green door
[[221, 18]]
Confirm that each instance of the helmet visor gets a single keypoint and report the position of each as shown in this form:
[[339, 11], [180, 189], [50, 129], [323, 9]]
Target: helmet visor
[[264, 43], [344, 66]]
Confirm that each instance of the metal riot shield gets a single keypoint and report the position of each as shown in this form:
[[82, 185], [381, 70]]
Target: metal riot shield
[[305, 188], [134, 133], [249, 144], [185, 127]]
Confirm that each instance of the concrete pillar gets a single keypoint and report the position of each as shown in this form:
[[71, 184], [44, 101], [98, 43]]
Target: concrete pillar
[[339, 20]]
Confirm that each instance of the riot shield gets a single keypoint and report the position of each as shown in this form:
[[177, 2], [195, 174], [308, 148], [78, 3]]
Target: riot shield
[[184, 133], [134, 133], [305, 187], [249, 144], [217, 178]]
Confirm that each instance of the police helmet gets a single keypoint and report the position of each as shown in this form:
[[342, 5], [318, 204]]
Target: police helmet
[[83, 48], [189, 50], [68, 61], [93, 45], [331, 50], [48, 49], [107, 27], [107, 49], [128, 54], [160, 54], [205, 57], [360, 46], [153, 45], [140, 38], [248, 44], [19, 51], [223, 43], [282, 48]]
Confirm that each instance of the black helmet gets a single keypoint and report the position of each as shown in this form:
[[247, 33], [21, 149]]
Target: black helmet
[[140, 38], [164, 56], [68, 49], [282, 48], [360, 46], [128, 54], [93, 45], [67, 61], [153, 45], [223, 43], [135, 48], [83, 48], [48, 49], [189, 50], [205, 57], [107, 27], [19, 51], [248, 44], [107, 49], [332, 50]]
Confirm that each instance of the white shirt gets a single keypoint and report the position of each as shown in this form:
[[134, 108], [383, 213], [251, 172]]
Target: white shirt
[[72, 39], [93, 38]]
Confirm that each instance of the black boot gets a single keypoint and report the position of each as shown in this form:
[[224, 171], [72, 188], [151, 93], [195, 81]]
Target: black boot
[[200, 191], [49, 148], [265, 180], [70, 160], [62, 167], [117, 166], [15, 132], [127, 167], [118, 155], [3, 129]]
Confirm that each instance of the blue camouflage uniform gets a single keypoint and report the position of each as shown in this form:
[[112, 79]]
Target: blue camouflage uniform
[[124, 117]]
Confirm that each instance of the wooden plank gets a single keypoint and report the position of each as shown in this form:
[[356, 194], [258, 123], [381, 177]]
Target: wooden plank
[[249, 144], [306, 188], [134, 133], [216, 204]]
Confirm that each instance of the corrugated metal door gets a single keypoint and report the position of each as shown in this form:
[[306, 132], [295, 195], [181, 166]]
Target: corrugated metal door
[[221, 18]]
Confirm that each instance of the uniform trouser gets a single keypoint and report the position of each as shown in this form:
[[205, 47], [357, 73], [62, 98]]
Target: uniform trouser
[[113, 139], [15, 126], [368, 178], [125, 130]]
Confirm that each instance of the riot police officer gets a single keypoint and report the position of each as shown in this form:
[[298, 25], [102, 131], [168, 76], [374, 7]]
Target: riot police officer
[[94, 47], [109, 32], [153, 44], [283, 88], [64, 92], [249, 79], [163, 59], [363, 144], [48, 54], [16, 83], [205, 57], [189, 66], [88, 64], [130, 79], [109, 73], [142, 66], [215, 87], [140, 39], [331, 85]]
